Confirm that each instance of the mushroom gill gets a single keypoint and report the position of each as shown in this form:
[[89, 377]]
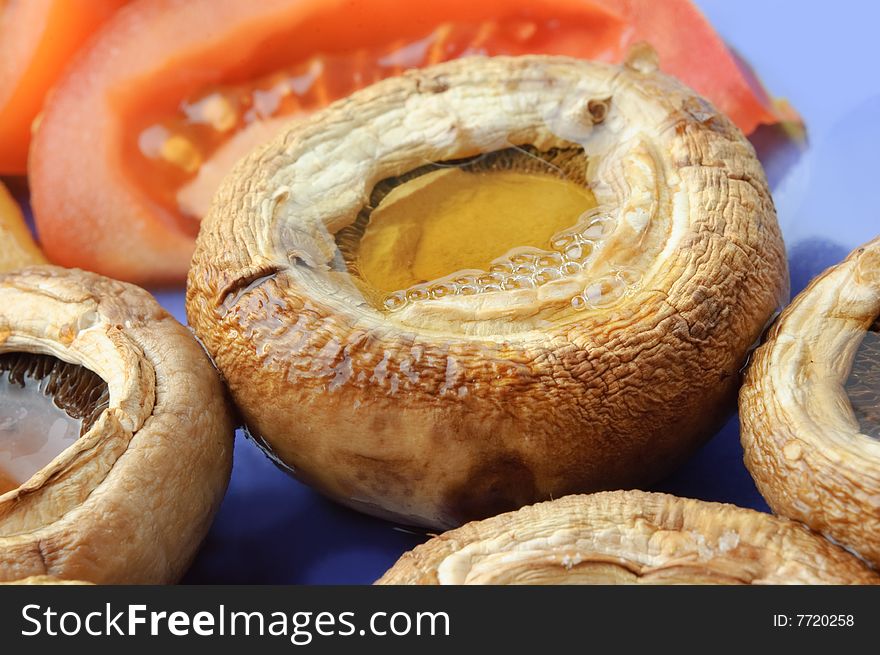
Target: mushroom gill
[[863, 384], [45, 404]]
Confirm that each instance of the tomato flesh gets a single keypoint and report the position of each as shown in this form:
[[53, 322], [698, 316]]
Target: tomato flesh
[[37, 39]]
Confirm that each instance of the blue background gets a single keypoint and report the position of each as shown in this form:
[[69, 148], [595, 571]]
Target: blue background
[[822, 57]]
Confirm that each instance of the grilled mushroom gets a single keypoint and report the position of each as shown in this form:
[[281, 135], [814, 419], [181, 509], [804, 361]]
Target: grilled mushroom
[[489, 282], [17, 247], [42, 580], [810, 406], [630, 538], [115, 438]]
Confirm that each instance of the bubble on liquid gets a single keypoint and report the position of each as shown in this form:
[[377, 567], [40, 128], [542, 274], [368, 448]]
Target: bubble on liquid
[[578, 302], [502, 267], [417, 293], [570, 268], [550, 260], [395, 301], [523, 258], [562, 241], [579, 253], [546, 275], [490, 288], [599, 228], [490, 278], [604, 291], [524, 269], [574, 253], [442, 290], [468, 290], [587, 248], [519, 282]]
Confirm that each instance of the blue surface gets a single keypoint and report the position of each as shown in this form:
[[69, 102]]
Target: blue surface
[[271, 529]]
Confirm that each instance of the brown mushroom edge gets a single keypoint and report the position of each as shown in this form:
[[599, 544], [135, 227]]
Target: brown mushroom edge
[[459, 407], [36, 580], [129, 500], [630, 537], [812, 455]]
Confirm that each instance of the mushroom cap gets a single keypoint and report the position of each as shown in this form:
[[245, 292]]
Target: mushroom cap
[[461, 407], [629, 537], [42, 580], [803, 443], [130, 500]]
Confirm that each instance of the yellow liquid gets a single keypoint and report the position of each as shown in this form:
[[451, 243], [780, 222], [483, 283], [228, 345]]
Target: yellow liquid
[[452, 220]]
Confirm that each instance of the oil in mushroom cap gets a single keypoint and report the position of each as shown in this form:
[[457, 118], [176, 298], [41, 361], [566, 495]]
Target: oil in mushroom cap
[[450, 221], [513, 219], [45, 405], [863, 385]]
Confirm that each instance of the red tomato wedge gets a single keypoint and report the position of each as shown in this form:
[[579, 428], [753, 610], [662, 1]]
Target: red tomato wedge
[[149, 117], [37, 39], [689, 48]]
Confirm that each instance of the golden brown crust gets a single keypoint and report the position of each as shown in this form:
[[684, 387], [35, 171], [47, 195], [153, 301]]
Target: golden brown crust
[[130, 500], [629, 537], [803, 444], [43, 580], [461, 408]]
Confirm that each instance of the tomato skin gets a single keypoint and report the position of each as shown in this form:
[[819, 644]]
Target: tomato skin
[[92, 209], [37, 39]]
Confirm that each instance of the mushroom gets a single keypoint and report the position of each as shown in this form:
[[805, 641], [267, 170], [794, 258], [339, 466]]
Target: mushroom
[[629, 537], [42, 580], [489, 282], [115, 437], [17, 247], [810, 406]]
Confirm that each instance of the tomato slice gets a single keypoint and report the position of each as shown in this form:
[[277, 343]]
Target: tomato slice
[[149, 117], [37, 39], [17, 247]]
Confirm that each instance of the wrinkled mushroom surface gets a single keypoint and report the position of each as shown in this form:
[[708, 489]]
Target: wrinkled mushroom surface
[[809, 406], [129, 498], [42, 580], [629, 537], [460, 398]]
